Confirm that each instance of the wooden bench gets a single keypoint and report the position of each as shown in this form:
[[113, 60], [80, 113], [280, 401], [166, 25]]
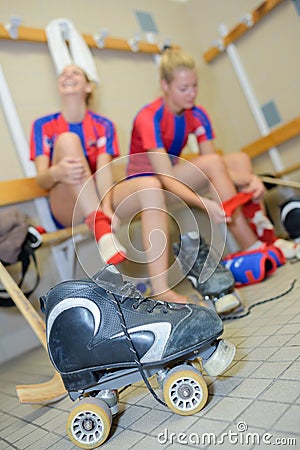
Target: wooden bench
[[22, 190]]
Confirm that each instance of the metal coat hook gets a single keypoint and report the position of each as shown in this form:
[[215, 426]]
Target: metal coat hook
[[247, 19], [99, 38], [134, 42], [13, 26], [219, 44], [165, 45]]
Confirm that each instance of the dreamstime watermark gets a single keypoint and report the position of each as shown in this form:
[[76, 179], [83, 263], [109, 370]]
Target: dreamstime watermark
[[241, 436]]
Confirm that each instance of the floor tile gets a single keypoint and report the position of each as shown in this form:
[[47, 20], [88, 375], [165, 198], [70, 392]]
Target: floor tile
[[284, 391], [263, 414], [250, 388], [289, 422]]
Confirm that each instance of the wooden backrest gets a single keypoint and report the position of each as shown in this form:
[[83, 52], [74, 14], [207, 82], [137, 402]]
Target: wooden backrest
[[26, 189], [276, 137], [20, 190]]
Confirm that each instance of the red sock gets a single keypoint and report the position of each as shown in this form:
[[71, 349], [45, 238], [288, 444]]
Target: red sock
[[234, 202], [110, 248], [259, 222]]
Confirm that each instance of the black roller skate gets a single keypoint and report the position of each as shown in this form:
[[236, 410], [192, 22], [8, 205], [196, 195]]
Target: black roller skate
[[102, 334], [211, 279]]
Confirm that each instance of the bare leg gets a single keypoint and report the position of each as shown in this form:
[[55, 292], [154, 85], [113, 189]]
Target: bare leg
[[145, 195], [214, 168], [240, 163], [63, 197]]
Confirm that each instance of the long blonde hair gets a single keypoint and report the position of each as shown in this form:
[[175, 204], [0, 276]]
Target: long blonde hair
[[173, 59]]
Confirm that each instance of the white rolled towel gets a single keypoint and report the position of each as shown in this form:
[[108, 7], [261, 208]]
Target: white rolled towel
[[58, 31]]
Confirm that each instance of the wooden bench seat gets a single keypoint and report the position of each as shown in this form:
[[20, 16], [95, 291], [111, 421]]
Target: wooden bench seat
[[17, 191]]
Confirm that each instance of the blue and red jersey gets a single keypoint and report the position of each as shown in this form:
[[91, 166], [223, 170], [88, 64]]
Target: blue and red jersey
[[155, 126], [96, 132]]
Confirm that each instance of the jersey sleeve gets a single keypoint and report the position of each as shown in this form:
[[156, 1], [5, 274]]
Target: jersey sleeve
[[203, 126], [37, 147], [42, 136], [107, 138]]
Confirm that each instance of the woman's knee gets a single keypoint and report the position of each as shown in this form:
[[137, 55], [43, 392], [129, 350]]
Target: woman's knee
[[238, 161], [137, 193], [151, 182], [213, 165], [68, 144], [151, 192]]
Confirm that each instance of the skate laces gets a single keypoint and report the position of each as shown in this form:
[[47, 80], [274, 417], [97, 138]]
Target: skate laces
[[129, 291]]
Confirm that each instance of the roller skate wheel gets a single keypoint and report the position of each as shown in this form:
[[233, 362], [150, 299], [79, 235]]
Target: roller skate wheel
[[226, 303], [221, 359], [89, 423], [185, 390]]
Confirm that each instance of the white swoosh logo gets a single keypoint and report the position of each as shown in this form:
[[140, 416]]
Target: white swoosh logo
[[69, 303]]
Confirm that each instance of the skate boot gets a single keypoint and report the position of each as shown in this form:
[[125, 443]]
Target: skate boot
[[103, 334], [206, 273]]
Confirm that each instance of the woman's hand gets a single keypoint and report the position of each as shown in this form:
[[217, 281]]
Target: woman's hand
[[70, 171], [256, 187]]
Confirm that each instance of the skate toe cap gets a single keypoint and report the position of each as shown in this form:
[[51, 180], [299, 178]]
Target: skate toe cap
[[201, 326]]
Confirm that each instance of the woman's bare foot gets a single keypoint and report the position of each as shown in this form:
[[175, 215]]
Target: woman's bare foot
[[170, 296]]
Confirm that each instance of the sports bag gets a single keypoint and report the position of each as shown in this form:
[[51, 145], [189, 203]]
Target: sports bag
[[18, 241]]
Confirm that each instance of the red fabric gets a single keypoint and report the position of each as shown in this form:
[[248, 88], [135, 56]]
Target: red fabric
[[234, 202], [117, 258], [99, 223], [40, 229], [266, 235]]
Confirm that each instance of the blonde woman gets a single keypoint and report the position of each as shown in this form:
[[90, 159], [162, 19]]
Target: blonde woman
[[159, 134]]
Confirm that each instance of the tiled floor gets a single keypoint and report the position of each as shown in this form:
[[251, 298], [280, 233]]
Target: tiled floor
[[253, 404]]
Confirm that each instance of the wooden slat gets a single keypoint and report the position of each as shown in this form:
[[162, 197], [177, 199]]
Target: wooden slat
[[288, 170], [52, 390], [278, 136], [42, 393], [56, 237], [234, 34], [211, 54], [29, 313], [112, 43], [20, 190], [280, 182], [241, 28]]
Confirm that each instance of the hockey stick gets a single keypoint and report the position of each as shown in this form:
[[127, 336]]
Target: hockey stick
[[51, 390], [279, 181]]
